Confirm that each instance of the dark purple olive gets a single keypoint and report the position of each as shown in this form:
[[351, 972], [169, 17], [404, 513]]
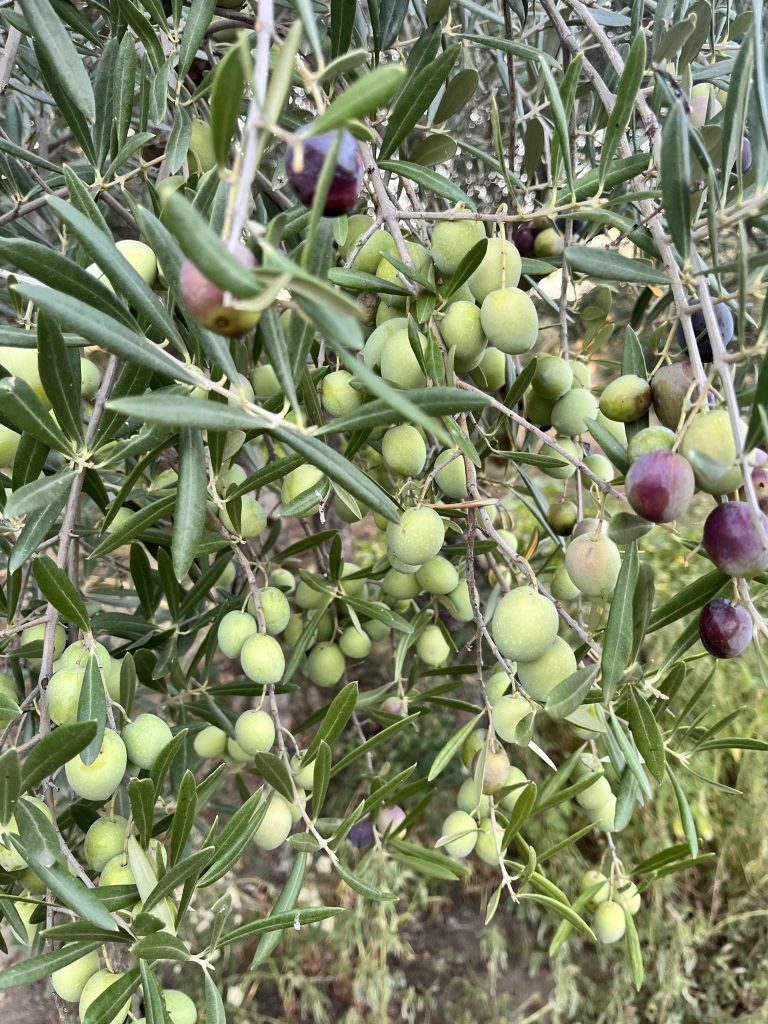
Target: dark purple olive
[[660, 486], [725, 629], [361, 834], [724, 322], [732, 541], [746, 156], [524, 238], [304, 165]]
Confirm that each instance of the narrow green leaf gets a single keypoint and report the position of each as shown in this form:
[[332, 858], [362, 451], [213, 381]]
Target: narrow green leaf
[[363, 888], [198, 20], [56, 43], [569, 694], [363, 97], [42, 966], [286, 901], [57, 587], [676, 177], [92, 707], [10, 783], [273, 771], [425, 177], [617, 643], [336, 717], [53, 751], [107, 1006], [686, 816], [612, 266], [141, 794], [191, 494], [447, 752], [183, 816], [645, 730], [160, 946], [39, 494], [28, 414], [562, 910], [626, 94], [214, 1004], [234, 837], [559, 117], [226, 98], [415, 99], [322, 777], [56, 373]]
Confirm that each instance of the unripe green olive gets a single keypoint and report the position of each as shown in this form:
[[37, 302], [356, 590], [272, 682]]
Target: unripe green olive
[[562, 586], [9, 442], [10, 858], [62, 695], [337, 394], [465, 799], [524, 624], [592, 878], [626, 399], [255, 731], [437, 576], [540, 677], [275, 825], [496, 685], [570, 412], [496, 771], [307, 597], [604, 816], [379, 337], [491, 372], [303, 775], [451, 473], [595, 796], [399, 364], [422, 262], [201, 154], [508, 712], [262, 659], [593, 563], [462, 332], [370, 253], [140, 257], [104, 840], [509, 320], [99, 780], [403, 450], [68, 982], [117, 871], [90, 379], [275, 608], [145, 738], [465, 828], [264, 382], [354, 643], [458, 604], [615, 429], [253, 518], [298, 481], [181, 1009], [325, 627], [22, 363], [488, 847], [600, 466], [94, 986], [418, 536], [77, 654], [651, 439], [325, 664], [432, 647], [210, 742], [376, 630], [628, 896], [609, 924], [283, 579], [34, 634], [236, 754], [472, 744], [355, 588], [566, 469], [500, 268], [711, 435], [452, 240], [293, 630], [518, 780], [562, 516], [553, 376]]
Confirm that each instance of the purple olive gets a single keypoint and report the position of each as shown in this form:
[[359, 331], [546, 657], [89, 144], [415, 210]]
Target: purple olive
[[524, 238], [660, 486], [724, 322], [725, 629], [732, 540], [305, 165], [361, 834]]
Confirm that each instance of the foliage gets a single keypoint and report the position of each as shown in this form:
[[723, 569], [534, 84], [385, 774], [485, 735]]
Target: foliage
[[252, 452]]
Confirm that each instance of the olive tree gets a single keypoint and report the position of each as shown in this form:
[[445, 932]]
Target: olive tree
[[355, 357]]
